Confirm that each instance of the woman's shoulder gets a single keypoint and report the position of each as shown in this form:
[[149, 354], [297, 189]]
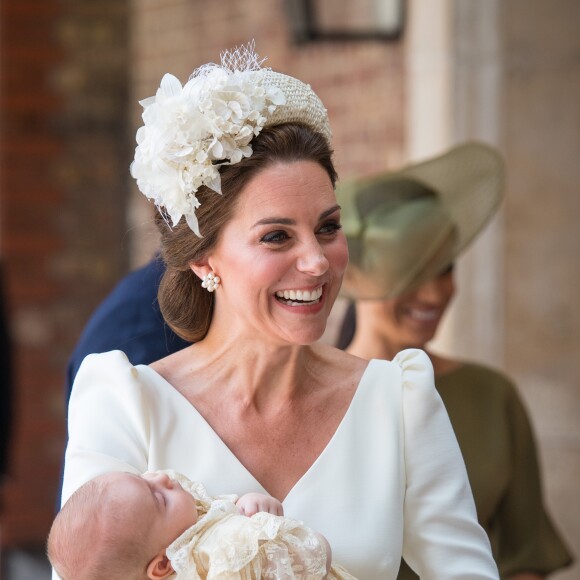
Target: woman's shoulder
[[488, 372], [412, 364], [413, 359], [105, 360], [417, 378], [109, 364], [477, 376], [409, 369], [408, 360], [109, 372]]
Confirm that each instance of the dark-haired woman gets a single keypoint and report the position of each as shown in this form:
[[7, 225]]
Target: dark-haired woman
[[239, 163]]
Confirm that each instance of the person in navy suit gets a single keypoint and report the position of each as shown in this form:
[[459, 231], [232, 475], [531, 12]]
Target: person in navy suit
[[128, 319]]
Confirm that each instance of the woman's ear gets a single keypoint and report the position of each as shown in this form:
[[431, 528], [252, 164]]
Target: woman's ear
[[160, 567], [200, 269]]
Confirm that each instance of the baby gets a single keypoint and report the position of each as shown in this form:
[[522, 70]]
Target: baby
[[161, 525]]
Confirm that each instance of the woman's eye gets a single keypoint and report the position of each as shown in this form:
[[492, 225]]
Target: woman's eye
[[275, 237], [330, 227]]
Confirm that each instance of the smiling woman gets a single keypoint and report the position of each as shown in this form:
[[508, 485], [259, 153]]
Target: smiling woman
[[361, 451]]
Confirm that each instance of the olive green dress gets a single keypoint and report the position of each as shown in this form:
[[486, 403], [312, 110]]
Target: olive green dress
[[498, 446]]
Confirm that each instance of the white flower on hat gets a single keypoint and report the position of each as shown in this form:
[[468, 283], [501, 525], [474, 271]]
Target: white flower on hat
[[190, 130]]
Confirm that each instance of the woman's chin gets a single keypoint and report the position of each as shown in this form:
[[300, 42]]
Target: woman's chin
[[306, 335], [419, 340]]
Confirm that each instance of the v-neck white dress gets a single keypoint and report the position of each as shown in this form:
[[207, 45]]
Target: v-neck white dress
[[391, 482]]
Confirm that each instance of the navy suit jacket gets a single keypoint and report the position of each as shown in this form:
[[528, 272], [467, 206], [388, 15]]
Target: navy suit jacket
[[128, 319]]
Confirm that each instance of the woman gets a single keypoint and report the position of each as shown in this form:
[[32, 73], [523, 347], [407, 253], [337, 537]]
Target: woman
[[363, 452], [405, 230]]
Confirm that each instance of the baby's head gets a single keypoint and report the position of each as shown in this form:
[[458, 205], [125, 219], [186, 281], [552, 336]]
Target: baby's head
[[118, 525]]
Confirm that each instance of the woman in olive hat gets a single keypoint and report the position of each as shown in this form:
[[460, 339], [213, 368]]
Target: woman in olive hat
[[405, 231]]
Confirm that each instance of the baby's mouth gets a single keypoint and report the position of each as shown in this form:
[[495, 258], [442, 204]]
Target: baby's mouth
[[299, 297]]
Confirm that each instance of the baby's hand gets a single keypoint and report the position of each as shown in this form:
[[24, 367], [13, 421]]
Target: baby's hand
[[252, 503]]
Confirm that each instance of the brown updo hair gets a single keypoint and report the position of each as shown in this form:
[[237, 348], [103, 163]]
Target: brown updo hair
[[186, 306]]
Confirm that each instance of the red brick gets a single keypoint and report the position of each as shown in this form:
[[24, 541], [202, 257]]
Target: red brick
[[60, 149]]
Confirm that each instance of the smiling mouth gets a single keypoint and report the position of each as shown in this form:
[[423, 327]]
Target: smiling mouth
[[424, 315], [299, 297]]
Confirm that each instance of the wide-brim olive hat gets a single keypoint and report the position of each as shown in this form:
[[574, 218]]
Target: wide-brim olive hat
[[405, 227]]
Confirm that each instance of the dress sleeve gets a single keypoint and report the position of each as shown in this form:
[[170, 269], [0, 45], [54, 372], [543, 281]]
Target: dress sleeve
[[107, 421], [442, 538], [528, 541]]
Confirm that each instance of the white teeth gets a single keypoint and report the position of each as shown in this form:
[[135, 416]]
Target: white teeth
[[302, 295], [423, 315], [290, 303]]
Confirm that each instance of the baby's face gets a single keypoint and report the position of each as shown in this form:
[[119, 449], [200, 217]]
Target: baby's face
[[157, 502], [176, 509]]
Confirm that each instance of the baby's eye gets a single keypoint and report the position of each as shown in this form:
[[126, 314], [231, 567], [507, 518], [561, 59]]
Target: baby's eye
[[330, 227], [276, 237]]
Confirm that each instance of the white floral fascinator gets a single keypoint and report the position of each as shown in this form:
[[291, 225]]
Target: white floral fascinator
[[191, 130]]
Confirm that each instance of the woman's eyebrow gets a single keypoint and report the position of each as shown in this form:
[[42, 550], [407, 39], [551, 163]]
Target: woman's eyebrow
[[275, 220], [290, 222], [328, 212]]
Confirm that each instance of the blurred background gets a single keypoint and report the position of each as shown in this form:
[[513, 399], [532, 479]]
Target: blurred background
[[402, 80]]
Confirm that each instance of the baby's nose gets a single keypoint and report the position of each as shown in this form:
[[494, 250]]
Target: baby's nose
[[161, 479], [165, 480]]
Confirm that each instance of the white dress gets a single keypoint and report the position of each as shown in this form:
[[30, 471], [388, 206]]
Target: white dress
[[391, 482]]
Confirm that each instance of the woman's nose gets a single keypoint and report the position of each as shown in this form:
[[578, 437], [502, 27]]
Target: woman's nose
[[312, 260]]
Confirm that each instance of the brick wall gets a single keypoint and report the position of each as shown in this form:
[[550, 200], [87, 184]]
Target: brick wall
[[359, 82], [28, 152], [64, 154]]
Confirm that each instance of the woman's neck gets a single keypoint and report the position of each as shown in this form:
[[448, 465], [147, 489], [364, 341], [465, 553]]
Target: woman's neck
[[373, 344], [370, 339], [248, 368]]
